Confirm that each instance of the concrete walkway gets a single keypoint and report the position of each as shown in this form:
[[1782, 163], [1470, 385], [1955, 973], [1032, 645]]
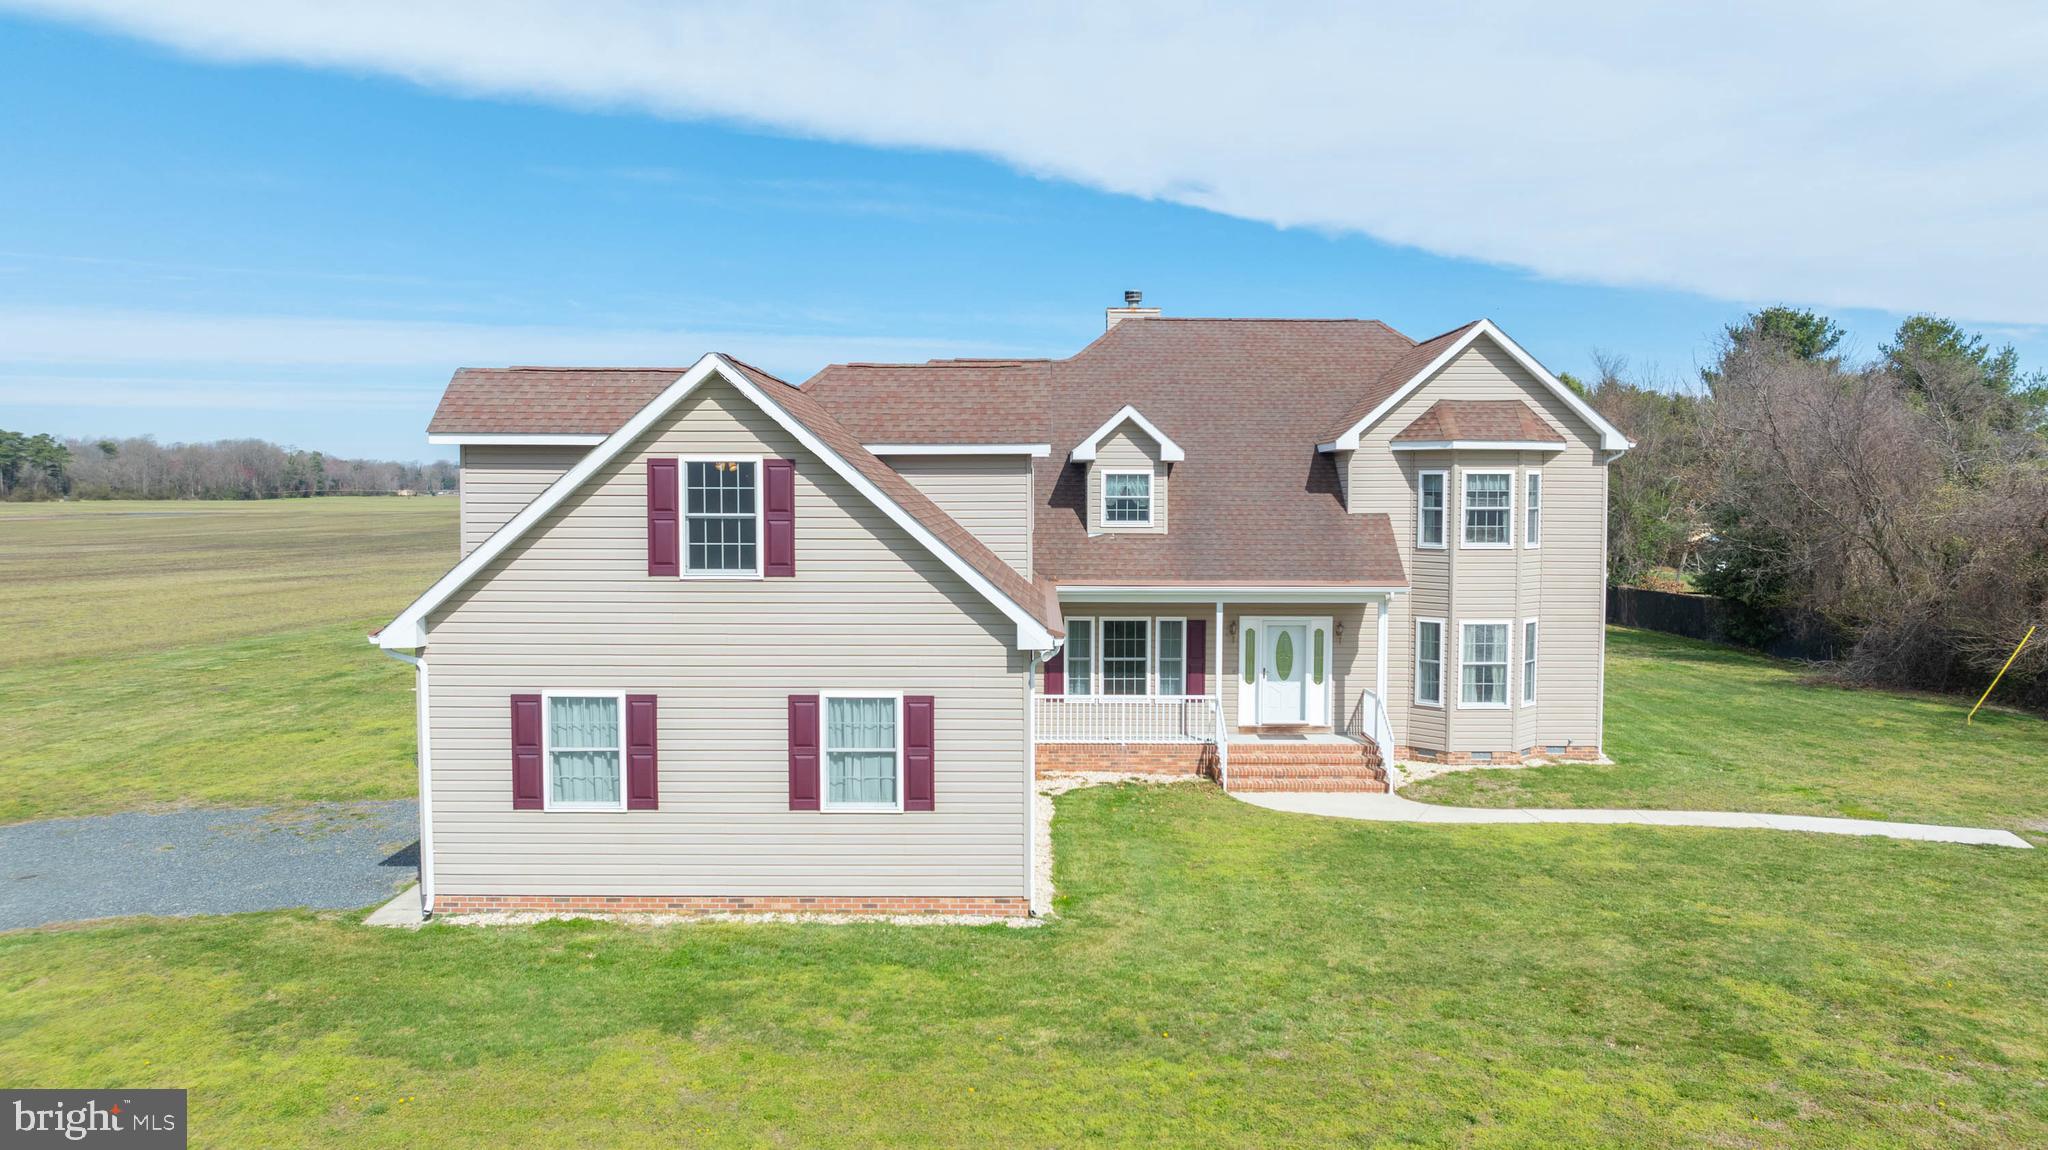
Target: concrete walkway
[[1395, 809]]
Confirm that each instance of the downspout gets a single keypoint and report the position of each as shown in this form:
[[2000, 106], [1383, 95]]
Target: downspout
[[425, 758]]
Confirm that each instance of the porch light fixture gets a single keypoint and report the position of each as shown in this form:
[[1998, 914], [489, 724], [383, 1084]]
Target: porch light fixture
[[1337, 629]]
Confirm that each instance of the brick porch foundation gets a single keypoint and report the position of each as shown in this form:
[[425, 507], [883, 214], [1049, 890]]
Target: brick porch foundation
[[990, 906], [1572, 754], [1130, 758]]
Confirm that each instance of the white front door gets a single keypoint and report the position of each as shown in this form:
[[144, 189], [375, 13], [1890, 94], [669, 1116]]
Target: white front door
[[1283, 673]]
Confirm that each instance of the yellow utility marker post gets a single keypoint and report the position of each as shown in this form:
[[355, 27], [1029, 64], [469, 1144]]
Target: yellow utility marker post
[[1972, 716]]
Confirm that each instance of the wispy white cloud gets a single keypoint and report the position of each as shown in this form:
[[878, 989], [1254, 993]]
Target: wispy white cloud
[[1886, 156]]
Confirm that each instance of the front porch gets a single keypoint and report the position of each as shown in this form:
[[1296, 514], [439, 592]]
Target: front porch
[[1279, 691]]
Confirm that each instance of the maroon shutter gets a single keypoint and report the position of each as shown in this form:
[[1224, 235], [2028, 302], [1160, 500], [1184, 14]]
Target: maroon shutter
[[778, 517], [803, 752], [919, 733], [1056, 673], [664, 527], [1198, 656], [643, 760], [526, 773]]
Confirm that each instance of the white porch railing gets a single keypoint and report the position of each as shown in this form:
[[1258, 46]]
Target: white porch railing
[[1369, 718], [1127, 718]]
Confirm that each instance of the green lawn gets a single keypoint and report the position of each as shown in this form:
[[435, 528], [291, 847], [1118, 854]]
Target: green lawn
[[1219, 974], [1691, 725], [164, 654]]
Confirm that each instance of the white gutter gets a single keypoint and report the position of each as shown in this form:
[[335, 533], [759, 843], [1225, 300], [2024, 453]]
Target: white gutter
[[425, 757], [1034, 450], [1242, 592]]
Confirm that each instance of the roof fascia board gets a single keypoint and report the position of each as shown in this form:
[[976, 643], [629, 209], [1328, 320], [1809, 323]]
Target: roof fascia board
[[492, 439], [1247, 592], [1611, 437], [1034, 450], [1169, 451], [1474, 445], [409, 631]]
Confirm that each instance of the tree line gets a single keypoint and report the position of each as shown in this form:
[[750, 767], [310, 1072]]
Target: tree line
[[1903, 499], [44, 467]]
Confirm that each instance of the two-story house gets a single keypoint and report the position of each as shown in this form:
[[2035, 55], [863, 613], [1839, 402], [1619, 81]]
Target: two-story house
[[717, 642]]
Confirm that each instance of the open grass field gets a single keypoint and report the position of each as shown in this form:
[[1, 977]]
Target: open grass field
[[1694, 726], [1218, 974], [166, 654]]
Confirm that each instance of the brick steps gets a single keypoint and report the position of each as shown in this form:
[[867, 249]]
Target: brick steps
[[1351, 767]]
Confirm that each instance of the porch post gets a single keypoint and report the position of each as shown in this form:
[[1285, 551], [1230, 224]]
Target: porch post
[[1217, 670], [1380, 683]]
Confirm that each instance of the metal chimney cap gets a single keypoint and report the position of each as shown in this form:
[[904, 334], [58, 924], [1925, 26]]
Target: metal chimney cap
[[1133, 298]]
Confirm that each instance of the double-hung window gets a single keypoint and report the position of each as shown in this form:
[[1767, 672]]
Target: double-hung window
[[863, 752], [1127, 498], [1489, 508], [1125, 660], [1429, 662], [1528, 660], [723, 513], [1080, 656], [1173, 668], [1429, 514], [1483, 665], [585, 741], [1532, 510]]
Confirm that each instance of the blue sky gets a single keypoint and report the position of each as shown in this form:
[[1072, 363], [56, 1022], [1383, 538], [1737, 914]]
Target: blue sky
[[235, 242]]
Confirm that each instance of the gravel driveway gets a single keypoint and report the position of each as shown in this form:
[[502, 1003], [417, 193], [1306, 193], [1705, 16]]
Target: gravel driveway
[[333, 855]]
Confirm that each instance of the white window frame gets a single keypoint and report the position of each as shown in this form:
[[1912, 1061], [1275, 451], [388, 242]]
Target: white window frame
[[1151, 500], [547, 749], [1158, 678], [1443, 513], [1102, 656], [1442, 664], [1532, 508], [760, 526], [1507, 666], [1094, 649], [1532, 647], [1465, 477], [825, 802]]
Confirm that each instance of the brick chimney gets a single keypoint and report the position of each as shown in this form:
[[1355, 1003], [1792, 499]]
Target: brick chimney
[[1116, 315]]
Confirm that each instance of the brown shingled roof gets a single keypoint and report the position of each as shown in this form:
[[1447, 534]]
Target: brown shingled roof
[[1390, 379], [1491, 420], [547, 400], [1253, 501]]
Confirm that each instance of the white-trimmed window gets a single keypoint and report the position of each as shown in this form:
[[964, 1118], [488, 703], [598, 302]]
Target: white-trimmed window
[[1528, 660], [1483, 663], [583, 745], [1532, 510], [1127, 498], [1431, 489], [1489, 507], [722, 517], [1429, 662], [863, 750], [1126, 656], [1080, 656], [1173, 662]]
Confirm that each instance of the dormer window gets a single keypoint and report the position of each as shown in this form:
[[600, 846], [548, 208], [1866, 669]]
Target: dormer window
[[1127, 498]]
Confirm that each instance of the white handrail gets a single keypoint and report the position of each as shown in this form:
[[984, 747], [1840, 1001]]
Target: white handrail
[[1127, 718]]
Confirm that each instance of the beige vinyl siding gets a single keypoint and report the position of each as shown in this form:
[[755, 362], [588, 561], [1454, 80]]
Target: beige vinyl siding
[[1562, 583], [989, 495], [1128, 448], [1352, 662], [571, 606], [498, 481]]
